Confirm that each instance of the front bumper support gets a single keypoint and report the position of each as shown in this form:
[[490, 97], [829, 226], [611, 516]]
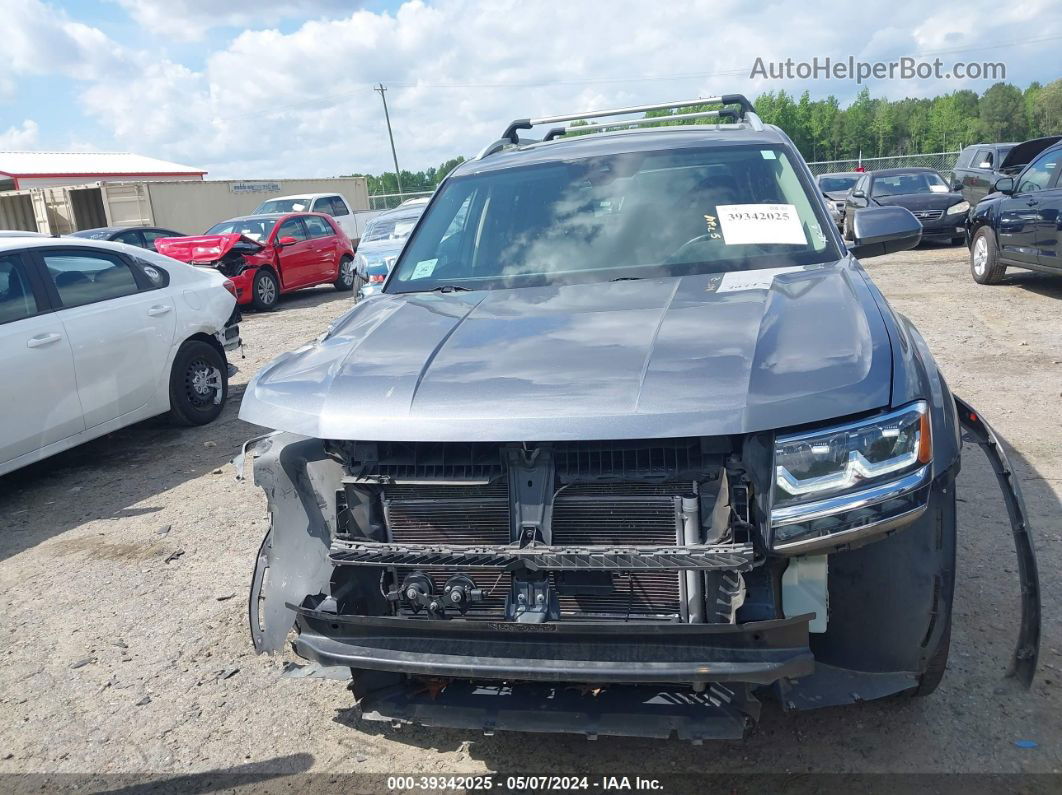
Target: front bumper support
[[759, 652], [724, 557]]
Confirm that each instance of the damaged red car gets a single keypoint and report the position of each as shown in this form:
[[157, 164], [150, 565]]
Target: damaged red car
[[267, 255]]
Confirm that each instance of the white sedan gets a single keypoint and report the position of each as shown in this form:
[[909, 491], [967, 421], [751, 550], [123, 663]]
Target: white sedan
[[95, 336]]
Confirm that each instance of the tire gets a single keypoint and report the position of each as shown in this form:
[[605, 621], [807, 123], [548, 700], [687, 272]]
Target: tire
[[345, 281], [199, 384], [984, 258], [265, 290]]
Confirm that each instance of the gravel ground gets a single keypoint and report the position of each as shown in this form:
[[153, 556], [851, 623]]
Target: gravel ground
[[124, 567]]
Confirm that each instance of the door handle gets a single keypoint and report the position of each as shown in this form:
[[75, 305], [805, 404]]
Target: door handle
[[1033, 202], [159, 309], [43, 339]]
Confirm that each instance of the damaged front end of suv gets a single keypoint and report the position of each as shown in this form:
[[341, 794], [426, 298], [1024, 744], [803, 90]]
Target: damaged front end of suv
[[559, 477]]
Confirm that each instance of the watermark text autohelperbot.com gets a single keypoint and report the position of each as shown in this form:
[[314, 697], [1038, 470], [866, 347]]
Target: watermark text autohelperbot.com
[[905, 68]]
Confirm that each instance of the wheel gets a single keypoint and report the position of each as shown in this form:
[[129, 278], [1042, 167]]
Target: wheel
[[199, 384], [345, 281], [984, 258], [265, 290]]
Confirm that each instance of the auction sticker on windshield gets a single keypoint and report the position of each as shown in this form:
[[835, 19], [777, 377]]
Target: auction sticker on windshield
[[424, 269], [743, 224]]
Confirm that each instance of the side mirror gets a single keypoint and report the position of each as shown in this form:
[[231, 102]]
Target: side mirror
[[1004, 185], [286, 241], [857, 194], [956, 186], [884, 230]]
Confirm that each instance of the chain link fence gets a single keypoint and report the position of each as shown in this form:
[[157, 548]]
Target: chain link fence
[[943, 162], [388, 201]]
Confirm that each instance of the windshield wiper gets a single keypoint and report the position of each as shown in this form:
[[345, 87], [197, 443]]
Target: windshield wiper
[[627, 279], [451, 288]]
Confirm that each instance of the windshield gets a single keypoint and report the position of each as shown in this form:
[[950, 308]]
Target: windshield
[[837, 184], [915, 182], [257, 229], [92, 234], [628, 215], [389, 228], [299, 204]]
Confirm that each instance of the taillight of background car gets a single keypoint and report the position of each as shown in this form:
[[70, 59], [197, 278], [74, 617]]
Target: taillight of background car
[[230, 285], [377, 278]]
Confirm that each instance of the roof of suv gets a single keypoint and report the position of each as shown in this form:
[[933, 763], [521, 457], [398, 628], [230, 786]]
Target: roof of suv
[[684, 136]]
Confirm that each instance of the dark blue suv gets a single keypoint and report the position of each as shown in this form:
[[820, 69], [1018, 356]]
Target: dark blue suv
[[1019, 224]]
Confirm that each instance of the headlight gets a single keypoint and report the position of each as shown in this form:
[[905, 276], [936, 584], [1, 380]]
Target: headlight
[[852, 477], [961, 207]]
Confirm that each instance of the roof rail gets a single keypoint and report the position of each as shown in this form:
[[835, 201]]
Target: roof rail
[[747, 112], [557, 132]]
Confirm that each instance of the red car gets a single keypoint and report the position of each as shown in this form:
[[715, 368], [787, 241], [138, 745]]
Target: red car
[[266, 255]]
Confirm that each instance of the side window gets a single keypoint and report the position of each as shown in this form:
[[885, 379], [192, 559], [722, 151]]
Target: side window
[[323, 204], [983, 159], [151, 235], [83, 277], [318, 227], [293, 228], [1039, 175], [339, 207], [16, 296], [132, 238], [155, 276]]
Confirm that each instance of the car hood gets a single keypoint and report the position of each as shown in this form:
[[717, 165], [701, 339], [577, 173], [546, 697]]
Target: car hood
[[836, 195], [679, 356], [921, 201], [1022, 154], [204, 248]]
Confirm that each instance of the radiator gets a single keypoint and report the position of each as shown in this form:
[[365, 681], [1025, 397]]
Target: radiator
[[598, 514]]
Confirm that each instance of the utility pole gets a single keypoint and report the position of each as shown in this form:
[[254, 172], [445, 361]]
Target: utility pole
[[398, 174]]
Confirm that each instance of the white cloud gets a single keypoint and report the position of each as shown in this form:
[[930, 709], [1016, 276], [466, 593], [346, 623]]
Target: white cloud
[[19, 138], [267, 103], [190, 19], [41, 39]]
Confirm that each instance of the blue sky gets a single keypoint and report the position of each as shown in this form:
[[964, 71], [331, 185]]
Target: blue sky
[[272, 88]]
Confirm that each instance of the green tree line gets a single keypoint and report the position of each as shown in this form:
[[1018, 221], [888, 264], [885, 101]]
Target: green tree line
[[823, 130], [412, 181]]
